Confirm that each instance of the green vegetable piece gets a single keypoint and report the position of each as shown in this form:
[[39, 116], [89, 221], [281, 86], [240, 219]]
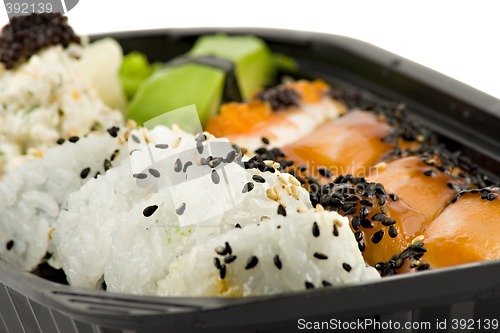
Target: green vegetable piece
[[135, 69], [251, 56], [176, 87]]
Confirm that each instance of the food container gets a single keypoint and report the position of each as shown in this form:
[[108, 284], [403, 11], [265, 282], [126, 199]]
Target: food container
[[465, 297]]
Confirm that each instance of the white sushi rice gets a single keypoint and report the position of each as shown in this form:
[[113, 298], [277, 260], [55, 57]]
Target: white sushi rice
[[31, 196], [126, 231], [46, 99], [280, 255]]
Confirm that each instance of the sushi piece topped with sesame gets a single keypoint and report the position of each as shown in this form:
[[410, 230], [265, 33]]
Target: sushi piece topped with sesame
[[173, 191], [282, 115], [315, 249], [33, 196]]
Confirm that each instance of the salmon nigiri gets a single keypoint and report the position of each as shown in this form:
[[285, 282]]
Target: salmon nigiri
[[466, 231], [278, 116]]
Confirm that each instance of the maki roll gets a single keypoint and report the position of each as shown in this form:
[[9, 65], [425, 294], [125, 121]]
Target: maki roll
[[33, 195], [280, 115], [314, 249]]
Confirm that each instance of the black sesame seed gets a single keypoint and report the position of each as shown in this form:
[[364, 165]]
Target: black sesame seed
[[74, 139], [222, 272], [113, 131], [251, 262], [97, 174], [277, 262], [358, 236], [155, 173], [258, 179], [230, 258], [248, 187], [352, 198], [378, 217], [377, 237], [491, 196], [324, 172], [85, 172], [215, 177], [180, 210], [326, 283], [9, 245], [367, 203], [320, 256], [315, 230], [351, 211], [367, 224], [107, 165], [265, 140], [230, 157], [387, 221], [229, 250], [393, 231], [238, 226], [150, 210], [393, 197], [429, 172], [309, 285], [214, 162], [335, 230], [261, 151], [302, 168], [140, 175], [356, 222], [217, 263], [186, 166], [281, 210], [178, 165], [346, 267], [423, 267], [363, 212], [162, 146], [60, 141], [133, 151], [135, 138], [114, 155], [199, 143]]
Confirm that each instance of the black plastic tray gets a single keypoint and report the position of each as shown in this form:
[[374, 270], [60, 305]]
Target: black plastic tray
[[465, 118]]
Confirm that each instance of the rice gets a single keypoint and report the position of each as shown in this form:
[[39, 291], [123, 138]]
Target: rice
[[32, 195], [280, 255], [126, 230], [46, 99]]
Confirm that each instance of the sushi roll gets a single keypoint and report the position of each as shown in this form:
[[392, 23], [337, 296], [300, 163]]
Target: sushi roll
[[32, 196], [349, 145], [466, 231], [126, 227], [44, 96], [314, 249], [280, 115]]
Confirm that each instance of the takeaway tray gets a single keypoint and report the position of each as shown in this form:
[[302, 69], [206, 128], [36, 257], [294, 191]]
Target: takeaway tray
[[464, 118]]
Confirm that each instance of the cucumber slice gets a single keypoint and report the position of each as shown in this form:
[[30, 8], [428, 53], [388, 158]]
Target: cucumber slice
[[175, 87], [251, 56]]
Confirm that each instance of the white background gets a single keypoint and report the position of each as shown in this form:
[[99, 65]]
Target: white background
[[458, 38]]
